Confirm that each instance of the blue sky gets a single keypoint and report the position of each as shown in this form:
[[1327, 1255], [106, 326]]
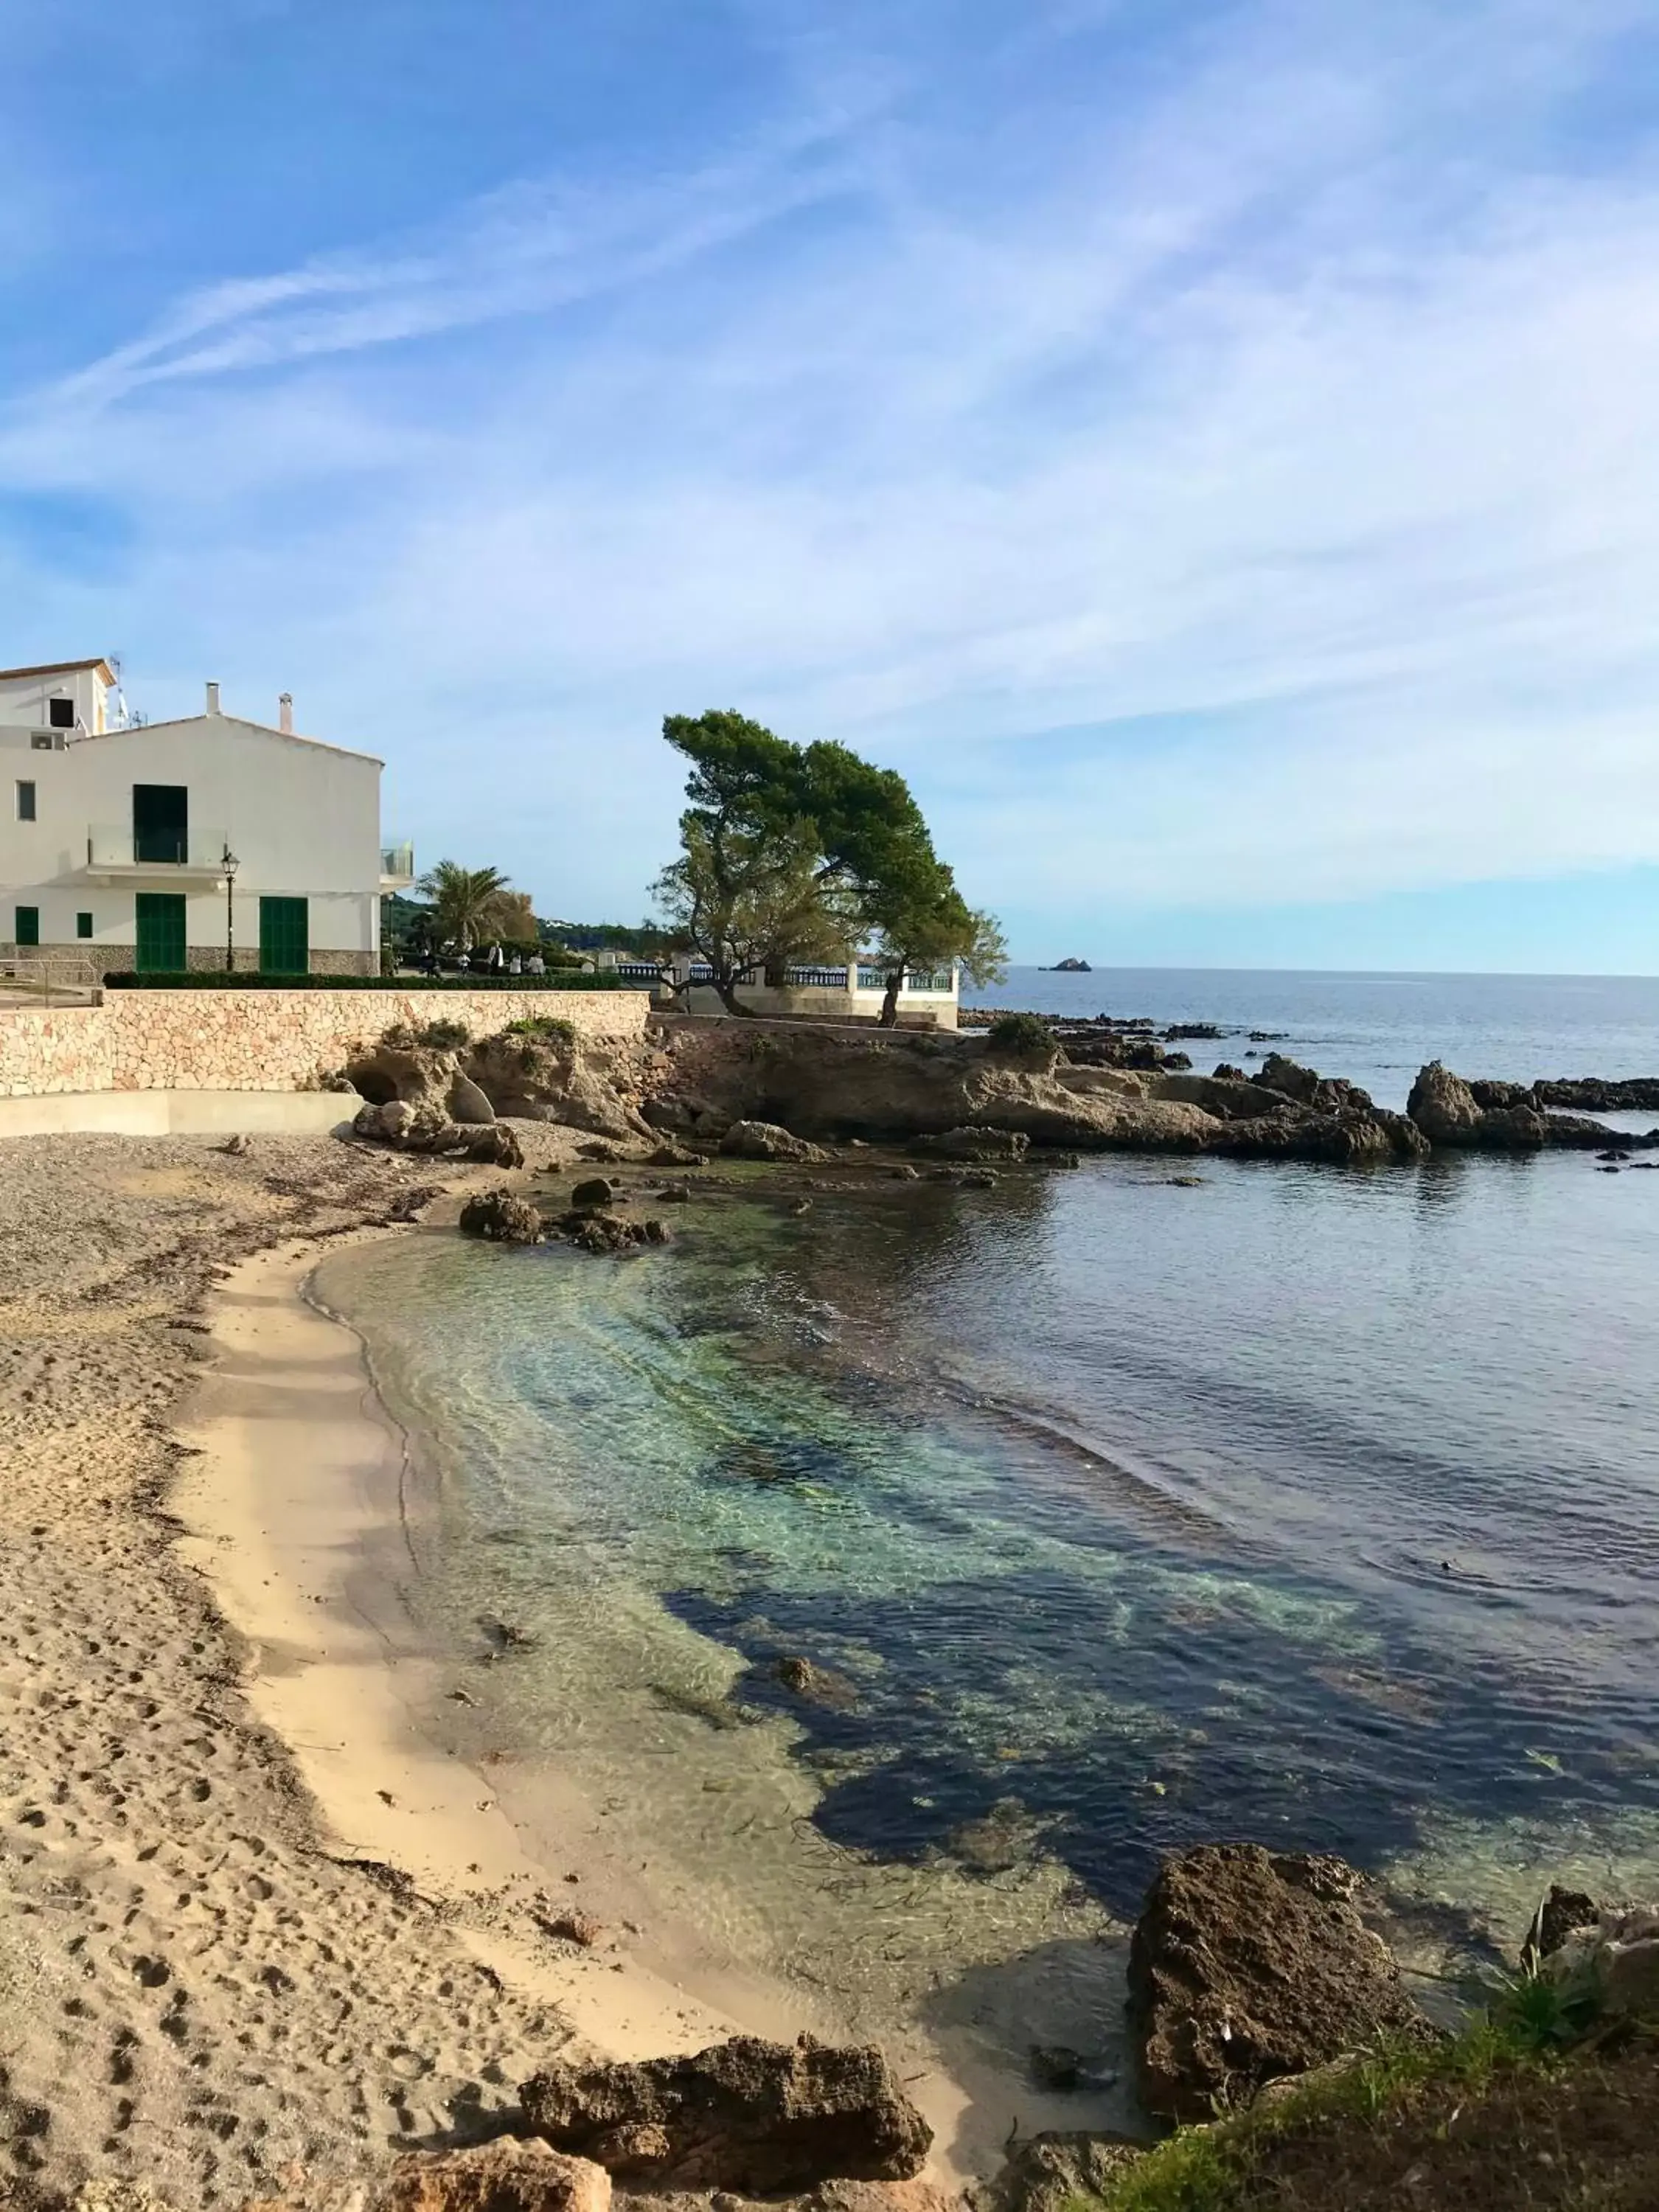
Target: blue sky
[[1213, 450]]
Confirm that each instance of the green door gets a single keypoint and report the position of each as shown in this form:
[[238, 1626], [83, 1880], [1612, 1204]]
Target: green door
[[28, 926], [284, 937], [160, 919]]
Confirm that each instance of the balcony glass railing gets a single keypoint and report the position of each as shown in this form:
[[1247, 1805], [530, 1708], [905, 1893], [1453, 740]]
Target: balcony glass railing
[[118, 845], [398, 860]]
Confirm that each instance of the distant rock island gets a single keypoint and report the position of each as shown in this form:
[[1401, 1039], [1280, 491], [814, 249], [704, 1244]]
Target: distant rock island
[[1068, 968]]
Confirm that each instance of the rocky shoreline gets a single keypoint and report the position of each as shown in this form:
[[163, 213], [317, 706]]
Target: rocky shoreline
[[169, 1988], [696, 1084]]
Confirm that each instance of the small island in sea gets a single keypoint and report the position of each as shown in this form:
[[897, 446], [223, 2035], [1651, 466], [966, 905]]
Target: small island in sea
[[1073, 967]]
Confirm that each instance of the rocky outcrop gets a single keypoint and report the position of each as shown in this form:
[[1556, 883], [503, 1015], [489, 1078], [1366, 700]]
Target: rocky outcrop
[[552, 1074], [546, 1072], [502, 1218], [504, 2175], [1357, 1136], [744, 2115], [766, 1140], [1563, 1913], [1248, 1965], [1229, 1097], [427, 1129], [590, 1231], [975, 1145], [1049, 2171], [467, 1103], [1445, 1109], [1606, 1969], [1503, 1117], [1589, 1094]]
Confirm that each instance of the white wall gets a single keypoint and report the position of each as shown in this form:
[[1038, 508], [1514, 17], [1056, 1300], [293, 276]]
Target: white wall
[[304, 820], [23, 698]]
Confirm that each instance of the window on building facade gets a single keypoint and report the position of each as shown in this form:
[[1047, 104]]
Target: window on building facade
[[26, 802], [60, 712], [26, 929], [83, 924]]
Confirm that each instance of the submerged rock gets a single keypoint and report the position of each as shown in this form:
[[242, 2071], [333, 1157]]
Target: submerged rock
[[975, 1144], [591, 1229], [1247, 1966], [744, 2115], [593, 1195], [822, 1685]]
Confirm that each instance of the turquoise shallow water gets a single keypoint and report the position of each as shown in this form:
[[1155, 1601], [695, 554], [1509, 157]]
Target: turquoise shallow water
[[1313, 1505], [1321, 1509]]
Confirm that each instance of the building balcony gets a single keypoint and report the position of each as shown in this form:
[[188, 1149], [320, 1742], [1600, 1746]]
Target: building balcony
[[116, 853], [397, 867]]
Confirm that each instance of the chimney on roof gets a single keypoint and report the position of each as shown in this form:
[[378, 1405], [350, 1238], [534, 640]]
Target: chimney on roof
[[213, 699], [285, 713]]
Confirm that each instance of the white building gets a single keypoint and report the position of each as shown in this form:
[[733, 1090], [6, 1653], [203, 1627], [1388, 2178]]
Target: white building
[[116, 837]]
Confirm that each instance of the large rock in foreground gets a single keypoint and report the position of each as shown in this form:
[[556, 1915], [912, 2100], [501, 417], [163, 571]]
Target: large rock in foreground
[[1247, 1966], [504, 2176], [1048, 2172], [744, 2115]]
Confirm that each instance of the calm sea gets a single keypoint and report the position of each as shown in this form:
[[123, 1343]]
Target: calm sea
[[1376, 1029], [1312, 1505]]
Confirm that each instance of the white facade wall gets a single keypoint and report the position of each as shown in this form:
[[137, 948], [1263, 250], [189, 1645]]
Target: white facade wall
[[23, 699], [303, 819]]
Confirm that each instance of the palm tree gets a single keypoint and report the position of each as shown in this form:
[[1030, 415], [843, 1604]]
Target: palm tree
[[466, 902]]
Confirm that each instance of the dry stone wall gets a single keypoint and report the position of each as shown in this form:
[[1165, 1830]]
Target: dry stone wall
[[220, 1040]]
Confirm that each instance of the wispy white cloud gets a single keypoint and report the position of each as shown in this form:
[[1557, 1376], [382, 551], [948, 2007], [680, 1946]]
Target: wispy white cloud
[[1287, 423]]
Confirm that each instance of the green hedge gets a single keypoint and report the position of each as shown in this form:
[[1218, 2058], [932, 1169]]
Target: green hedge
[[218, 980]]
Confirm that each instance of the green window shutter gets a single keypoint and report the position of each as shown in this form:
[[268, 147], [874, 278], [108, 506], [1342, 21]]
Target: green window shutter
[[160, 920], [284, 937], [83, 924], [27, 930], [160, 823]]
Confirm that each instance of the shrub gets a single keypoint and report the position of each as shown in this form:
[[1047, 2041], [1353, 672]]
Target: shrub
[[1021, 1037], [544, 1025], [443, 1036]]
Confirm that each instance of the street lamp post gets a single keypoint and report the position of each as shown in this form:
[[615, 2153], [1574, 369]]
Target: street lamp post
[[230, 864]]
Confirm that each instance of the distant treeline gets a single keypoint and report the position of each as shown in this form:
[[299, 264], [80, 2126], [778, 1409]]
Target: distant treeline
[[403, 918]]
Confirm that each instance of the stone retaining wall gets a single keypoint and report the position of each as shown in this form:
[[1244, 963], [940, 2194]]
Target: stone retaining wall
[[258, 1040]]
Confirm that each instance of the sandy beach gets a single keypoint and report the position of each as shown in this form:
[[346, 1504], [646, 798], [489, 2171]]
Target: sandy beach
[[262, 1921], [200, 1994]]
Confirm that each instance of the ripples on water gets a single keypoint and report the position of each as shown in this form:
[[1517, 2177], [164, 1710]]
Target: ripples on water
[[1311, 1506]]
